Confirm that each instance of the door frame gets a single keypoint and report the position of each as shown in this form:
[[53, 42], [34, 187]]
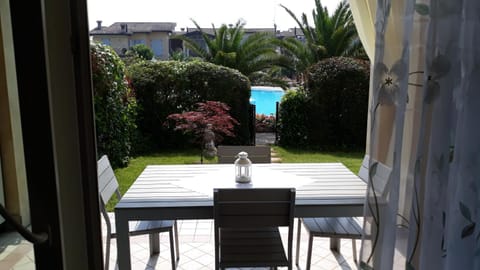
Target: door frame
[[52, 58]]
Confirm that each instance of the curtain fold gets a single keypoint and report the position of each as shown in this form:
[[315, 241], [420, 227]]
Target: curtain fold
[[363, 12], [423, 200]]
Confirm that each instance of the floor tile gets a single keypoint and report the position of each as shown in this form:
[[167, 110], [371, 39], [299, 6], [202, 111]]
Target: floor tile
[[196, 251]]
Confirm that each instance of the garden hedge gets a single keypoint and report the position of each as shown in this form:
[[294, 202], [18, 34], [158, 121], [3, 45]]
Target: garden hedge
[[337, 90], [115, 105], [166, 87], [293, 119]]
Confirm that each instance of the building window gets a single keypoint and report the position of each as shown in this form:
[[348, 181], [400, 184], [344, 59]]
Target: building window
[[136, 42], [157, 47], [106, 41]]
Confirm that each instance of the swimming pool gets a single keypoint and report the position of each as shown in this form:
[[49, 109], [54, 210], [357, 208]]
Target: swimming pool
[[264, 98]]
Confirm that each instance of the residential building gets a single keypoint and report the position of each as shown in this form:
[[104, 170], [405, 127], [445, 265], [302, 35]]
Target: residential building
[[123, 35], [195, 35], [158, 36]]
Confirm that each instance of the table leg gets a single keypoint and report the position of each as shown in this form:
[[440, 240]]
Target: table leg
[[335, 244], [123, 242]]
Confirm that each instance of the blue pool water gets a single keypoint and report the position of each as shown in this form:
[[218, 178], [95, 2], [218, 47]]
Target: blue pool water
[[264, 98]]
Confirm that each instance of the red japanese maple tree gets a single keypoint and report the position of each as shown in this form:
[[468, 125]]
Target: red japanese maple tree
[[211, 112]]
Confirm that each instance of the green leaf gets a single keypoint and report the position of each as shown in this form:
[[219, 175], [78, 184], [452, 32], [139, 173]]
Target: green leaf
[[422, 9], [465, 212], [365, 266], [468, 230]]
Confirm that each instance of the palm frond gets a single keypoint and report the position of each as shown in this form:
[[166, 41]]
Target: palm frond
[[330, 35], [194, 46]]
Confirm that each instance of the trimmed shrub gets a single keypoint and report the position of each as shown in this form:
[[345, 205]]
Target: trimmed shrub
[[292, 119], [337, 90], [115, 105], [167, 87], [142, 51]]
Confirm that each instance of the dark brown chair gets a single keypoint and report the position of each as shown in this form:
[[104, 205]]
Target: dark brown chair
[[247, 225], [107, 186]]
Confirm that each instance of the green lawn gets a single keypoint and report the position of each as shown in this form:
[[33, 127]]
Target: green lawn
[[126, 176], [352, 160]]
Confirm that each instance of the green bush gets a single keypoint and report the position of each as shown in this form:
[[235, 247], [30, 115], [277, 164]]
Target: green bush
[[166, 87], [293, 118], [337, 90], [141, 51], [115, 105]]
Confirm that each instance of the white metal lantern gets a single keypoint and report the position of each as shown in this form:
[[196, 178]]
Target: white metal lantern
[[243, 168]]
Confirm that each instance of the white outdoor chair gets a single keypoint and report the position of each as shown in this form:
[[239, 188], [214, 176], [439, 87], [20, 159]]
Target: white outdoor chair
[[107, 186], [338, 227]]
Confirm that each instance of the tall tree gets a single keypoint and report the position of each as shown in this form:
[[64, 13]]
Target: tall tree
[[231, 47], [329, 36]]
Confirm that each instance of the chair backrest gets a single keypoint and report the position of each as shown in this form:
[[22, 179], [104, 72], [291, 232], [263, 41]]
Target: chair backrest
[[257, 154], [255, 207], [107, 186], [107, 182], [381, 176], [363, 172]]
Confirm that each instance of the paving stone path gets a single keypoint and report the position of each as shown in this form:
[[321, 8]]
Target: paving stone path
[[268, 139]]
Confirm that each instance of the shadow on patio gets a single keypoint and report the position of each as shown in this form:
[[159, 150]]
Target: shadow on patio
[[197, 250]]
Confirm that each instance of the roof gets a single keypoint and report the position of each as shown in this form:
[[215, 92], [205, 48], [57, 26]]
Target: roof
[[291, 32], [259, 30], [129, 28], [209, 31]]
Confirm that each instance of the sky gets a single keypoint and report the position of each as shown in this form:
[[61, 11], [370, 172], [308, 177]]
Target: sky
[[256, 13]]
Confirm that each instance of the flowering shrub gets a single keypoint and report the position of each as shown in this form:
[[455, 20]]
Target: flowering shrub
[[264, 123], [115, 105], [195, 123]]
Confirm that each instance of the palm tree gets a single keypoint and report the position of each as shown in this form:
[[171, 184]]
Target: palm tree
[[334, 35], [231, 47]]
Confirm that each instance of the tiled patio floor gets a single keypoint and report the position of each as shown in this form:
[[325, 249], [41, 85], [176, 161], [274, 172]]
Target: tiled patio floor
[[196, 251], [15, 252]]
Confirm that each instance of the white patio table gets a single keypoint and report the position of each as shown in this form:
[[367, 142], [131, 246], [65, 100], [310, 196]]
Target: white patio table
[[186, 192]]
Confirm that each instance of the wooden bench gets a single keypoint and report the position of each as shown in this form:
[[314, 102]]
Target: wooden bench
[[257, 154]]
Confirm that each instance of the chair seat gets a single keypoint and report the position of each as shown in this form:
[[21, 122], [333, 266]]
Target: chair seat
[[252, 248], [334, 227], [145, 227]]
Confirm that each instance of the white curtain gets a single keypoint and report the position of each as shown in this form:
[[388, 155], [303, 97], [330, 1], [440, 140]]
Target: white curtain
[[363, 12], [423, 201]]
